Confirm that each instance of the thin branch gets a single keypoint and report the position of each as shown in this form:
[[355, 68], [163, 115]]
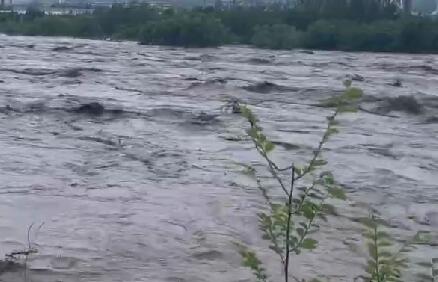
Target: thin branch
[[306, 231], [289, 219], [304, 196], [274, 238], [376, 249], [272, 167], [318, 151], [296, 279], [264, 193]]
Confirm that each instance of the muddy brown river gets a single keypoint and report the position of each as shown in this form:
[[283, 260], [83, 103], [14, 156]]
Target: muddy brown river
[[151, 186]]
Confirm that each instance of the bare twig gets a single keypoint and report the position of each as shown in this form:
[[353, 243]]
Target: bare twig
[[303, 236], [304, 196], [318, 150], [289, 219], [272, 167]]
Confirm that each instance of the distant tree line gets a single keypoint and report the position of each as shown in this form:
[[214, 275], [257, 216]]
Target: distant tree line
[[359, 25]]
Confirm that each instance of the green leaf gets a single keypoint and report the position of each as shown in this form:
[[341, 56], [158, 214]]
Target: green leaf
[[328, 178], [384, 243], [385, 254], [333, 122], [269, 146], [308, 210], [382, 235], [261, 137], [347, 109], [372, 250], [353, 93], [337, 193], [245, 111], [309, 244], [252, 132], [332, 130]]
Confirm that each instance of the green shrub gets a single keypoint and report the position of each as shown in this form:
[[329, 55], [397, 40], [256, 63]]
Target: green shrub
[[185, 30], [279, 36], [323, 34]]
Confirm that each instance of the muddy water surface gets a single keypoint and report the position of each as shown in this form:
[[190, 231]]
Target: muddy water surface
[[151, 186]]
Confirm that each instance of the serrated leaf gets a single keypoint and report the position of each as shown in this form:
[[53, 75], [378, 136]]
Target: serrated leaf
[[309, 244]]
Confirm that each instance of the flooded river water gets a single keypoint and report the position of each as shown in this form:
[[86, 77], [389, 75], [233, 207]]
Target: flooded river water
[[151, 187]]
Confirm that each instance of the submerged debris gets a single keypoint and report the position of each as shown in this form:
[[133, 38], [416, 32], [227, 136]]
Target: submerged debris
[[232, 106], [93, 108], [61, 48], [266, 87], [260, 61], [407, 104], [71, 73], [261, 87], [356, 77], [309, 52], [432, 119], [396, 83], [204, 119], [76, 72], [9, 266]]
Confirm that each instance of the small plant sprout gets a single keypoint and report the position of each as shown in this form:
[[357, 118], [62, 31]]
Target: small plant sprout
[[288, 224], [384, 265]]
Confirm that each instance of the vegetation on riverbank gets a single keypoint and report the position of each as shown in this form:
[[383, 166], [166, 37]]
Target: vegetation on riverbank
[[362, 25]]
